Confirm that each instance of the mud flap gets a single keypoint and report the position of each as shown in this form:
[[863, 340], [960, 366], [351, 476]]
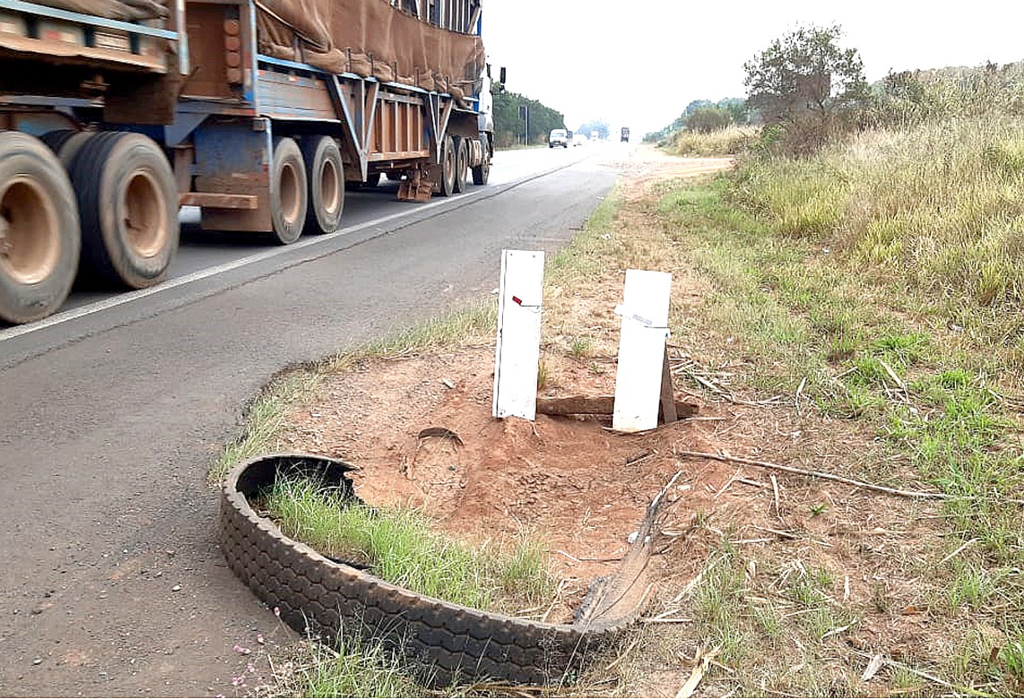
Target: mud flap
[[416, 187]]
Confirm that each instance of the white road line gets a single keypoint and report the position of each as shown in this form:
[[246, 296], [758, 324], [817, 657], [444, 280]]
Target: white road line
[[131, 296], [128, 297]]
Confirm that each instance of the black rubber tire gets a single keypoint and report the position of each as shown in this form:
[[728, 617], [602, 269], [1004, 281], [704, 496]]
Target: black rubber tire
[[42, 206], [372, 180], [65, 143], [128, 203], [325, 174], [444, 641], [448, 163], [289, 192], [461, 164], [482, 171]]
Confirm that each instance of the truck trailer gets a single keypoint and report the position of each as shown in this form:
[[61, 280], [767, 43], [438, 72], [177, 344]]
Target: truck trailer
[[115, 113]]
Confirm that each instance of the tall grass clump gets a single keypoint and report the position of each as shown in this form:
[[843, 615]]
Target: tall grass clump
[[355, 670], [938, 206], [913, 97], [732, 140], [942, 206], [398, 545]]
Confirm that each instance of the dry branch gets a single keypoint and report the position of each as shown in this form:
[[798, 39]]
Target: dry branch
[[703, 662], [830, 477]]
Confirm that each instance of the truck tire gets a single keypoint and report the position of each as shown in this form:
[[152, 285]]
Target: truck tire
[[461, 164], [448, 166], [288, 191], [326, 176], [482, 171], [39, 231], [128, 203], [65, 143]]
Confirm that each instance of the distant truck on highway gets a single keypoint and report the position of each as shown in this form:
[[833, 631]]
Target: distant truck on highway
[[624, 137], [114, 113]]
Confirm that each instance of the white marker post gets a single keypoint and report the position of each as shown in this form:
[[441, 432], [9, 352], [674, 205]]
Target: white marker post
[[638, 379], [518, 347]]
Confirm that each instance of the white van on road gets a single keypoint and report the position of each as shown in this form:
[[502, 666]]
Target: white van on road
[[558, 137]]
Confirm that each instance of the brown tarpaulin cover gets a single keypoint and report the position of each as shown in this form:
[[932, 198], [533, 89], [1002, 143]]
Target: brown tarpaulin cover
[[372, 39], [124, 10], [367, 37]]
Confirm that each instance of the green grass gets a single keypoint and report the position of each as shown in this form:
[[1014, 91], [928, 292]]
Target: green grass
[[355, 670], [580, 347], [265, 419], [884, 273], [808, 314], [587, 254], [733, 140], [475, 325], [400, 546]]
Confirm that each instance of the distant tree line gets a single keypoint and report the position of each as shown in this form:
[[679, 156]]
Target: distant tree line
[[509, 128], [599, 125], [705, 116]]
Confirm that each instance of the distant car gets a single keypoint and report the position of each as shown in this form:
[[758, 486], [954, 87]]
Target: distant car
[[558, 137], [579, 139]]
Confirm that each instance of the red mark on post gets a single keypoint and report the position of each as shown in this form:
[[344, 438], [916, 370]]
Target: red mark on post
[[517, 300]]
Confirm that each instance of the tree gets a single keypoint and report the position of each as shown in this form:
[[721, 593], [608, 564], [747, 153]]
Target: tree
[[598, 125], [509, 128], [807, 84], [737, 109], [708, 119]]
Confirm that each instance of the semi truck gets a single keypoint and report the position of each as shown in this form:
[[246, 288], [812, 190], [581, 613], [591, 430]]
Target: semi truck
[[116, 113]]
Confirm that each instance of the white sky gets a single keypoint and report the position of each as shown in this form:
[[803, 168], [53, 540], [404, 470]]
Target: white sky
[[638, 63]]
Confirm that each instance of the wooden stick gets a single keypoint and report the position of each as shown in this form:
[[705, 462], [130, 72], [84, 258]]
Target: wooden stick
[[703, 661], [892, 375], [623, 654], [775, 489], [953, 555], [597, 405], [667, 408], [829, 477]]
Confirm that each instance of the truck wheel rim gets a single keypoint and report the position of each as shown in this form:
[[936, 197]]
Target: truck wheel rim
[[145, 215], [449, 168], [329, 188], [289, 191], [29, 231]]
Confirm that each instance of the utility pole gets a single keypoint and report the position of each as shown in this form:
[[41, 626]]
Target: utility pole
[[524, 113]]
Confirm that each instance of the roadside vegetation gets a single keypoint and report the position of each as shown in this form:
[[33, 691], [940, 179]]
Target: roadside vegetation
[[510, 128], [400, 546], [875, 273], [727, 140]]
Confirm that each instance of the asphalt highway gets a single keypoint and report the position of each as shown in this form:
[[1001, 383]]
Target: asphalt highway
[[112, 410]]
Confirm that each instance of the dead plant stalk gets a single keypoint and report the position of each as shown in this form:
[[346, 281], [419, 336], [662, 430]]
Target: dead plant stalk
[[832, 477]]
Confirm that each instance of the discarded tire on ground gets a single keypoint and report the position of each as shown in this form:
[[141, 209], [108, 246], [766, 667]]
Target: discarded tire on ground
[[442, 641]]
